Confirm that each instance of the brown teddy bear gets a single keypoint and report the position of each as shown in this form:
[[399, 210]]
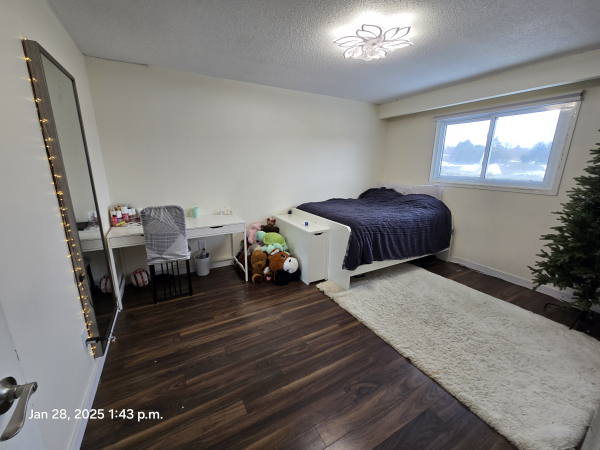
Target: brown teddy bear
[[268, 275], [270, 227], [258, 262]]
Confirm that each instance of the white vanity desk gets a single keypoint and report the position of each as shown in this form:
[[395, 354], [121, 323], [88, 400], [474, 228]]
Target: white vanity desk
[[203, 226], [90, 240]]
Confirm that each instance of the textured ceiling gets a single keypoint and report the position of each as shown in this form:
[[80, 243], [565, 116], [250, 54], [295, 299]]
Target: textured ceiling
[[288, 43]]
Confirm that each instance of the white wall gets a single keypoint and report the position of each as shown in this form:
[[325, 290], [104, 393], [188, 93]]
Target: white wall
[[171, 137], [495, 229], [37, 289], [557, 72]]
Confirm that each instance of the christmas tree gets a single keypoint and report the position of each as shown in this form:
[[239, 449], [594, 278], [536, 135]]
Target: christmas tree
[[573, 258]]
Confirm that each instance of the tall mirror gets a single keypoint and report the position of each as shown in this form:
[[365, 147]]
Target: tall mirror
[[62, 127]]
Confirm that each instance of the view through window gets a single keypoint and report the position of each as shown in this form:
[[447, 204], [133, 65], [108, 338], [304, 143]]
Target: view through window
[[504, 148]]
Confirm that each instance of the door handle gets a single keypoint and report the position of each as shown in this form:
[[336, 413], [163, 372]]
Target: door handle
[[9, 392]]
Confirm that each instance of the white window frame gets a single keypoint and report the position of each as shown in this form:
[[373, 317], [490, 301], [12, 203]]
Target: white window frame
[[569, 105]]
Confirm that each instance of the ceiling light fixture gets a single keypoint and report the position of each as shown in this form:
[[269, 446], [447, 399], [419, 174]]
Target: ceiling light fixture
[[371, 42]]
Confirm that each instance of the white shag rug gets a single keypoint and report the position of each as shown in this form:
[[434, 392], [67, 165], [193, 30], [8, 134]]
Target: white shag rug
[[531, 379]]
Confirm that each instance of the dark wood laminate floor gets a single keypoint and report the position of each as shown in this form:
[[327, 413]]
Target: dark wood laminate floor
[[260, 366]]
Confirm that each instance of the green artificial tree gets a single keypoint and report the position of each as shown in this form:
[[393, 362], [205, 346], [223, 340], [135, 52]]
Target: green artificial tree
[[573, 258]]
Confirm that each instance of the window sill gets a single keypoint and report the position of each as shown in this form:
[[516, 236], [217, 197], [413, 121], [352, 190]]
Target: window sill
[[491, 187]]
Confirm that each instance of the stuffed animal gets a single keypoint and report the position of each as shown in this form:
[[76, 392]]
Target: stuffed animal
[[253, 247], [270, 226], [259, 263], [282, 277], [252, 233], [283, 268], [279, 260], [268, 275], [272, 241]]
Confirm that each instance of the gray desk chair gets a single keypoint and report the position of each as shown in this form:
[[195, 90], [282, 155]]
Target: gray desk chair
[[166, 244]]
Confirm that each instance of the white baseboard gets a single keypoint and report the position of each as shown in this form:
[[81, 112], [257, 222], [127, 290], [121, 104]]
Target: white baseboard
[[548, 290], [220, 263], [90, 396], [564, 296]]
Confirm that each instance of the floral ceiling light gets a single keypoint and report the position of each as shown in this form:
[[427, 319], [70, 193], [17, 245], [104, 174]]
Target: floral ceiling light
[[371, 42]]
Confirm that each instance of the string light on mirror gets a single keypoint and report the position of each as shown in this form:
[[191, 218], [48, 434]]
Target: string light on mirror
[[73, 254], [372, 42]]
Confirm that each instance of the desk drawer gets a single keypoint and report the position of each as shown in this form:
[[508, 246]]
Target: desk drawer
[[212, 231], [126, 241]]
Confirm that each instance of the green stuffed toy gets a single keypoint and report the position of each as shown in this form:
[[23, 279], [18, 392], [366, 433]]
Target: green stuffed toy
[[272, 241]]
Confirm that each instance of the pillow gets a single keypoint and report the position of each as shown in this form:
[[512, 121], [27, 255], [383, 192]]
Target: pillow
[[433, 190]]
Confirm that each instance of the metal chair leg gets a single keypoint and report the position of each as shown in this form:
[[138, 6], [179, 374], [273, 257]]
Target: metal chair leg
[[153, 283], [167, 282], [189, 276], [179, 278], [164, 280]]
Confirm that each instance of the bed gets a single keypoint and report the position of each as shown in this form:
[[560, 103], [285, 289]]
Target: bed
[[389, 228]]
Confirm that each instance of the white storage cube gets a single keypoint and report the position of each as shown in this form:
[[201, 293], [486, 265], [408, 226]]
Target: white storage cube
[[309, 244]]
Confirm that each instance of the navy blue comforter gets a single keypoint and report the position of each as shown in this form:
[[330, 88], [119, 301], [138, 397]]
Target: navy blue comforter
[[387, 225]]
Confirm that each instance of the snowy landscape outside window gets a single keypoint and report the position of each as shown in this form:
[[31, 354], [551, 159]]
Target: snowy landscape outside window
[[522, 147]]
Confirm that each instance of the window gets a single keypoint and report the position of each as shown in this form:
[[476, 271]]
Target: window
[[520, 147]]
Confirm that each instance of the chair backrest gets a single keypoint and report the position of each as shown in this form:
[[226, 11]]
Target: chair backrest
[[165, 233]]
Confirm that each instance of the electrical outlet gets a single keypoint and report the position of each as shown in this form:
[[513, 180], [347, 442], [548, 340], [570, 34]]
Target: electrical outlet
[[201, 244]]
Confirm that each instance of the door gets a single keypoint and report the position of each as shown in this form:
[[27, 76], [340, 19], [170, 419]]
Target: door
[[29, 437]]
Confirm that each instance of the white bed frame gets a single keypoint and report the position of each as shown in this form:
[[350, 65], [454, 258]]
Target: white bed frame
[[339, 235]]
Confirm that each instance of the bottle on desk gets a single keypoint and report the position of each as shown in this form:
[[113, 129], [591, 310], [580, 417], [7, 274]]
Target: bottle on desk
[[92, 219], [119, 217]]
